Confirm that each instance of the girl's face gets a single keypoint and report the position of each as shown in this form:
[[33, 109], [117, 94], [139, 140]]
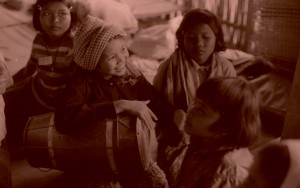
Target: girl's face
[[113, 59], [199, 42], [55, 18], [200, 118]]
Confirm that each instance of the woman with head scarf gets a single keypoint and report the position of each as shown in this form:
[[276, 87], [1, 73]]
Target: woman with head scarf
[[105, 84], [200, 39]]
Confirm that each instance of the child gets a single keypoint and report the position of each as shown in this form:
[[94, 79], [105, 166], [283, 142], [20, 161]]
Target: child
[[105, 84], [5, 81], [200, 39], [39, 85], [222, 123], [277, 165]]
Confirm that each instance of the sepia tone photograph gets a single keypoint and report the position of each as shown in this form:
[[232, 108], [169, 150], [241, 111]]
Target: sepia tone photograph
[[149, 93]]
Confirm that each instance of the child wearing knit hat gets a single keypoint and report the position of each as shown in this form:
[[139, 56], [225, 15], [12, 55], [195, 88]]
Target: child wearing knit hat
[[105, 84]]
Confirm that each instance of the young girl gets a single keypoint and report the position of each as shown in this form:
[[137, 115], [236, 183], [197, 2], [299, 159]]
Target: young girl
[[222, 124], [105, 85], [38, 86], [200, 39]]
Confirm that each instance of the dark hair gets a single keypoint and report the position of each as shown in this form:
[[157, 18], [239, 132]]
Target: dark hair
[[201, 16], [239, 105], [40, 3], [273, 162]]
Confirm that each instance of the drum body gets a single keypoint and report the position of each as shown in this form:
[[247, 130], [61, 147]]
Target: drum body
[[106, 147]]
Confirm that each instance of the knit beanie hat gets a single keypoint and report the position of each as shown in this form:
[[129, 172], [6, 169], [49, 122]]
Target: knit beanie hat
[[91, 38]]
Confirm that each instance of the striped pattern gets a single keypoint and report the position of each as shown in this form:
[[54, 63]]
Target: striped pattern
[[50, 79]]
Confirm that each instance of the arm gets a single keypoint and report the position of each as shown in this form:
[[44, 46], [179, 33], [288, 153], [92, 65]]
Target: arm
[[5, 78], [76, 112], [30, 67]]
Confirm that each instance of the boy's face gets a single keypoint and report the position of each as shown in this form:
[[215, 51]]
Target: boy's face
[[113, 59], [199, 42], [55, 18], [200, 118]]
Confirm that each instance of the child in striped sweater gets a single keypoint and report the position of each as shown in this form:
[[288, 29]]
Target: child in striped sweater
[[39, 84]]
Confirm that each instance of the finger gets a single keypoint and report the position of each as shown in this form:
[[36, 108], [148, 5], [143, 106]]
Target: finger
[[146, 102], [147, 119], [152, 115], [150, 121]]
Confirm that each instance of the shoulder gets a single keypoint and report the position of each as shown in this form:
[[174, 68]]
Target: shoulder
[[38, 38], [67, 41], [234, 168], [226, 65], [239, 157]]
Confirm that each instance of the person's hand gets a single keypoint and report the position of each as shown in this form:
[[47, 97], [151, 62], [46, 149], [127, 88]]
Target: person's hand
[[179, 119], [139, 109]]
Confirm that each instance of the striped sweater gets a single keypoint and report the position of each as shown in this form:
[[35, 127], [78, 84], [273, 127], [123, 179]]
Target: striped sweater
[[51, 69]]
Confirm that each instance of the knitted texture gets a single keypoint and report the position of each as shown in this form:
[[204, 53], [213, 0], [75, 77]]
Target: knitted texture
[[91, 39]]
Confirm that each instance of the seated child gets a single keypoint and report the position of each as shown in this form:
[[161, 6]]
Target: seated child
[[221, 125], [38, 86], [105, 84], [277, 165]]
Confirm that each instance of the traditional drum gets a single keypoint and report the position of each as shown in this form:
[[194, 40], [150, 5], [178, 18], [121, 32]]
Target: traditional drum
[[114, 145]]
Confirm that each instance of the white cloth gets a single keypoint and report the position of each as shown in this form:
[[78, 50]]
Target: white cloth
[[7, 79], [113, 12]]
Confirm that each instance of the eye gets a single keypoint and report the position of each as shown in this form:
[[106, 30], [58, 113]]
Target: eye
[[45, 13], [62, 14], [111, 57]]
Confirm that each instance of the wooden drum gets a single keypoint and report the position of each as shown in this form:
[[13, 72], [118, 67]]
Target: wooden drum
[[109, 146]]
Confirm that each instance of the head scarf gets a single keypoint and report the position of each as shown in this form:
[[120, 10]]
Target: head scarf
[[91, 39]]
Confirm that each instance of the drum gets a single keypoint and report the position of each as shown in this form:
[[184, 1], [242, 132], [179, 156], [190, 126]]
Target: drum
[[108, 146]]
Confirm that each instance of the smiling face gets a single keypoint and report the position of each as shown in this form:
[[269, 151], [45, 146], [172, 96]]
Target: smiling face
[[200, 118], [113, 59], [199, 42], [55, 19]]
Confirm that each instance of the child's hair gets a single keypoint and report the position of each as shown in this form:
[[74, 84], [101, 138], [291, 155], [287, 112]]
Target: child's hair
[[40, 3], [273, 162], [239, 105], [201, 16]]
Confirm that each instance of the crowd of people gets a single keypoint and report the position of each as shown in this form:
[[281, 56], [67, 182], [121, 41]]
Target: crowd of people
[[206, 118]]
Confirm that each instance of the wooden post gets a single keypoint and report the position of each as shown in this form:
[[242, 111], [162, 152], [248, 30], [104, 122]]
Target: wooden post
[[291, 127]]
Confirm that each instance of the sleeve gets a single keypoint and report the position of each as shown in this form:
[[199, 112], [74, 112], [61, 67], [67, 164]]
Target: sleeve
[[30, 67], [76, 113], [233, 170], [164, 112], [5, 77], [229, 70], [159, 79], [161, 108]]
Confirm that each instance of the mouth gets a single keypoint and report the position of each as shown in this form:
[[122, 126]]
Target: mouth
[[119, 69], [55, 28], [200, 52]]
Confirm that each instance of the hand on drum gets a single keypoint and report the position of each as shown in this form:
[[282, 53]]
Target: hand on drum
[[139, 109]]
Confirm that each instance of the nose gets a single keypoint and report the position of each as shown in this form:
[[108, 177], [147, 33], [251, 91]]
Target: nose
[[121, 58], [56, 18], [200, 41]]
